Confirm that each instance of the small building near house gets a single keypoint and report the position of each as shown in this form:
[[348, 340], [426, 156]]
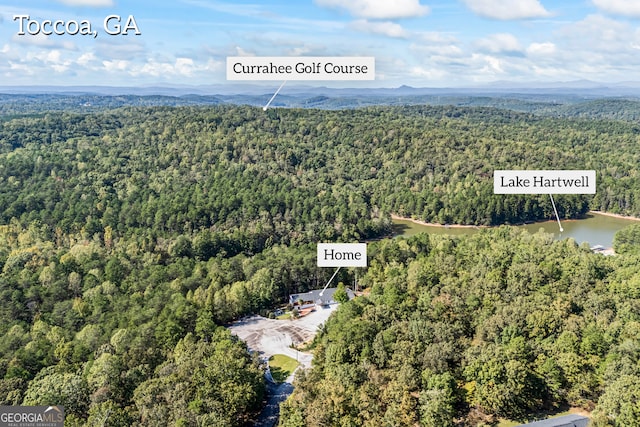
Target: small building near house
[[572, 420], [599, 249], [313, 298]]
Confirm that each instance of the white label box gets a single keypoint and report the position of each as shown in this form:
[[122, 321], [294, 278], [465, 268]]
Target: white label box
[[544, 182], [342, 254], [307, 68]]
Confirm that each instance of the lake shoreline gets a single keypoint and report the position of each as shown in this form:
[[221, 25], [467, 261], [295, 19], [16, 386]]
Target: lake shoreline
[[612, 215], [433, 224], [595, 228]]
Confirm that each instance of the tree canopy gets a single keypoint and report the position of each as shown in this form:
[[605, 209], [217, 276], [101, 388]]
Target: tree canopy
[[129, 236], [498, 324]]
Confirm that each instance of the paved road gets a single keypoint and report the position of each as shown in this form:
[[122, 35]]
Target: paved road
[[276, 394]]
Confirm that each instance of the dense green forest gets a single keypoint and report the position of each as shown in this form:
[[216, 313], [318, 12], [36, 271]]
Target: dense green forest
[[460, 331], [563, 103], [292, 176], [122, 333], [129, 236], [37, 104]]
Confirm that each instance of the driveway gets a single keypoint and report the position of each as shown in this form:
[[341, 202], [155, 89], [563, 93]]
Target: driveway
[[269, 337]]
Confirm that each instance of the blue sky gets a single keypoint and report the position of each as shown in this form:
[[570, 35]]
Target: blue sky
[[426, 43]]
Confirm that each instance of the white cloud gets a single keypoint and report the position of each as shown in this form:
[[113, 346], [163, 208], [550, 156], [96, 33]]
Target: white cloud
[[36, 40], [427, 73], [487, 64], [54, 56], [229, 8], [438, 51], [437, 37], [437, 44], [117, 65], [597, 33], [385, 28], [276, 43], [299, 51], [213, 65], [180, 67], [184, 66], [41, 40], [595, 48], [50, 59], [459, 64], [378, 9], [38, 63], [507, 9], [86, 58], [60, 68], [619, 7], [23, 69], [116, 49], [307, 49], [241, 52], [501, 42], [90, 3], [541, 49]]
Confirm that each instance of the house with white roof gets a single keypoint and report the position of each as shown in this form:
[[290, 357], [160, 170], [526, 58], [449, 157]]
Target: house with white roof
[[317, 298]]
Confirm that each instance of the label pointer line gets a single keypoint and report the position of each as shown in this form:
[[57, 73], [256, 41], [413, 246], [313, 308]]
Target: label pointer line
[[274, 95], [327, 285], [556, 211]]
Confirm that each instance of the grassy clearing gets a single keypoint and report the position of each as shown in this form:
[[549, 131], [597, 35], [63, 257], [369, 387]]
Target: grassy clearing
[[284, 316], [281, 366]]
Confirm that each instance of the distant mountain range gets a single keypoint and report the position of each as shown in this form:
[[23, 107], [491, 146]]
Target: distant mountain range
[[578, 87], [582, 99]]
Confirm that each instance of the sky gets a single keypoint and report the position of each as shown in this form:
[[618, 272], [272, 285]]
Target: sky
[[421, 43]]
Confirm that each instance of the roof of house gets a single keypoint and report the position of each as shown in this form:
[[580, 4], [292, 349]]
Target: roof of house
[[327, 295], [572, 420]]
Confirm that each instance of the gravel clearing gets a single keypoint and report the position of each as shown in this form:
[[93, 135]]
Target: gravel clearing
[[270, 336]]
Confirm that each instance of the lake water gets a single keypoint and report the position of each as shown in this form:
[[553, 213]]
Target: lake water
[[595, 229]]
